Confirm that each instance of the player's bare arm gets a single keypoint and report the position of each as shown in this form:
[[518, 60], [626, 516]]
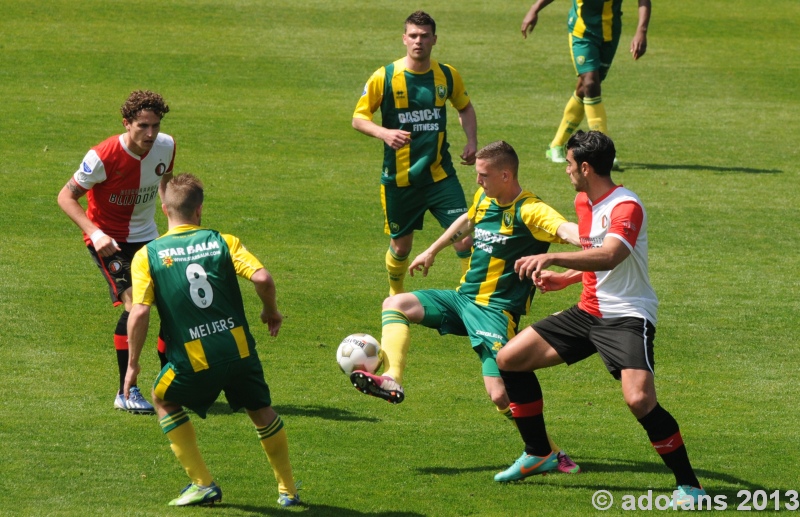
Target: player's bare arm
[[469, 123], [530, 20], [394, 138], [163, 185], [138, 323], [639, 42], [265, 289], [569, 232], [604, 258], [68, 200], [550, 280], [457, 231]]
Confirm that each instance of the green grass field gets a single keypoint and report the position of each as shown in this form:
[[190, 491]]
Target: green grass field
[[261, 96]]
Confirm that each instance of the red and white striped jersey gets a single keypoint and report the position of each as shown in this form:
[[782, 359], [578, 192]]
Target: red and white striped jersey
[[625, 290], [122, 187]]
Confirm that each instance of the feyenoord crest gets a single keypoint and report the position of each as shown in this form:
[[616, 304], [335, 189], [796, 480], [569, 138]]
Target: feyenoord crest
[[508, 219], [160, 169], [441, 91]]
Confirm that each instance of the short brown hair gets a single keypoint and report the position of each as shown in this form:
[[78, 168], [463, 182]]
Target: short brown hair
[[500, 154], [421, 18], [140, 100], [183, 195]]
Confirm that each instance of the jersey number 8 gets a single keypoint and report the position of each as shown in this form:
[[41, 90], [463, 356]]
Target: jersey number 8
[[199, 288]]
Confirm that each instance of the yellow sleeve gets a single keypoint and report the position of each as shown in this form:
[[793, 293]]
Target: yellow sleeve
[[473, 210], [459, 98], [244, 262], [141, 281], [372, 96], [542, 220]]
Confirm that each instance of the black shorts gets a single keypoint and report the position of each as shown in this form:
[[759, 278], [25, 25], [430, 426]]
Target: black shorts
[[116, 269], [623, 343]]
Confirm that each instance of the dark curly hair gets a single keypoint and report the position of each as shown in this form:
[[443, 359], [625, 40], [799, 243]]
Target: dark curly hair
[[143, 100]]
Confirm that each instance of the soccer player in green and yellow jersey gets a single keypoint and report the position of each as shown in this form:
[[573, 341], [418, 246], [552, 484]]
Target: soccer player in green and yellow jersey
[[189, 274], [418, 173], [594, 31], [506, 223]]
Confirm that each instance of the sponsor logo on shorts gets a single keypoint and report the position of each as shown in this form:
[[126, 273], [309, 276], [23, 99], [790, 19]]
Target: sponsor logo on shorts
[[456, 211], [115, 266]]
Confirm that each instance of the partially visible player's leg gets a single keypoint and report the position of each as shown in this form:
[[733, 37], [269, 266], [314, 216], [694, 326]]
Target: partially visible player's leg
[[399, 311], [446, 201], [662, 429], [404, 212], [275, 443]]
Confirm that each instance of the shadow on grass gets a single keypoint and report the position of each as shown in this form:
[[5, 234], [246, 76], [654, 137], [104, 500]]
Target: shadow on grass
[[662, 167], [220, 407], [312, 509], [709, 478]]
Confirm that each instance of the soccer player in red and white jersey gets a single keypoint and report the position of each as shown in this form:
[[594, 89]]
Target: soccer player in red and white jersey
[[121, 178], [616, 316]]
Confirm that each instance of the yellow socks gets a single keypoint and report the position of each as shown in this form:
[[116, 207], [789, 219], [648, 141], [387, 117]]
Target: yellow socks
[[573, 116], [396, 267], [395, 340], [276, 445], [596, 114], [180, 431]]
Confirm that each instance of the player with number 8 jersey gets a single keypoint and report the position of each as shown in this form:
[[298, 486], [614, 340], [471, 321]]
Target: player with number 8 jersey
[[199, 299]]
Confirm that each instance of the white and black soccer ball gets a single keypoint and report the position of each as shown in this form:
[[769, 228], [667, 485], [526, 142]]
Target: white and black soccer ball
[[359, 352]]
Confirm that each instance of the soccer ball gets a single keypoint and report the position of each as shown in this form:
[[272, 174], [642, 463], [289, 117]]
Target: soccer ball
[[359, 352]]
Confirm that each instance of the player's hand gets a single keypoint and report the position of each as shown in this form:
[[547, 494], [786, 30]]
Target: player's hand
[[528, 23], [131, 376], [273, 319], [106, 246], [468, 156], [550, 281], [396, 138], [638, 45], [531, 266], [423, 261]]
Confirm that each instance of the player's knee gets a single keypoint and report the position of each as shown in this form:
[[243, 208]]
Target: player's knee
[[640, 403]]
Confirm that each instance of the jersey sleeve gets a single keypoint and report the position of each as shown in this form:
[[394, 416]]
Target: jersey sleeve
[[459, 97], [542, 220], [626, 222], [473, 210], [372, 96], [141, 280], [91, 171], [244, 262]]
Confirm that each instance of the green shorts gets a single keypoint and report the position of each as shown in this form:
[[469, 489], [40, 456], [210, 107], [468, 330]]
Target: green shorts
[[404, 207], [589, 55], [488, 329], [241, 380]]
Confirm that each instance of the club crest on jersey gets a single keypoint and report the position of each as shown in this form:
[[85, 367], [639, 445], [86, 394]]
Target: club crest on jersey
[[604, 221], [441, 91], [508, 219], [115, 266], [86, 167], [160, 169], [167, 261]]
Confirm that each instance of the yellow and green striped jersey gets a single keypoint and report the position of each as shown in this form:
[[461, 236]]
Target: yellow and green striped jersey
[[503, 234], [414, 102], [190, 273], [595, 19]]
